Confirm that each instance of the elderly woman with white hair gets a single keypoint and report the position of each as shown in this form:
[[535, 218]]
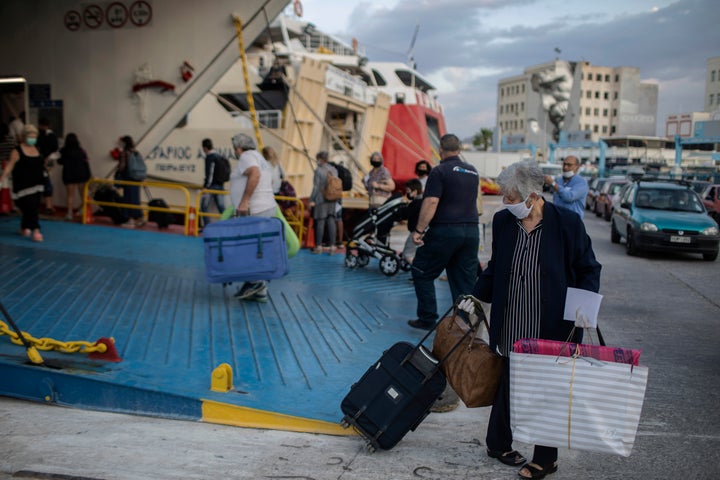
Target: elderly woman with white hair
[[28, 167], [538, 251], [251, 194]]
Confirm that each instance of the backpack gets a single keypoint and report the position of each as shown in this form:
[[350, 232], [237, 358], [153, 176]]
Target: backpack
[[221, 174], [135, 168], [333, 187], [344, 175]]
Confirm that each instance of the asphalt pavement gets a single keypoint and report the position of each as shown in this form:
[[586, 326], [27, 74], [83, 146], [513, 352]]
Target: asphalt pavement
[[667, 305]]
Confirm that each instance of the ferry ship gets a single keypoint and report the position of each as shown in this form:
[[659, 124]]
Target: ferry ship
[[124, 320]]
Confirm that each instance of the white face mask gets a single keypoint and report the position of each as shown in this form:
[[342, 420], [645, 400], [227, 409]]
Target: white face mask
[[568, 174], [520, 209]]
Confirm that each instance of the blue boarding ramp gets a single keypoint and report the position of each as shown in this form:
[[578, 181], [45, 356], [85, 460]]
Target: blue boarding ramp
[[189, 349]]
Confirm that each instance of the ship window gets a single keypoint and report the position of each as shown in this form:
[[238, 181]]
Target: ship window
[[408, 78], [379, 80]]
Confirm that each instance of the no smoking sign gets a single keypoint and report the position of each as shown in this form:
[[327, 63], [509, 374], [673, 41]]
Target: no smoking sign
[[109, 15]]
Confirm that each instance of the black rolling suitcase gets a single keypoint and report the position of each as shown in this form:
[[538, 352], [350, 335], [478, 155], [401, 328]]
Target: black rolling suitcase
[[395, 394], [162, 219]]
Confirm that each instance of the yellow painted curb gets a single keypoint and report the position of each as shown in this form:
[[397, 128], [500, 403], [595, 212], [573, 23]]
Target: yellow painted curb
[[226, 414]]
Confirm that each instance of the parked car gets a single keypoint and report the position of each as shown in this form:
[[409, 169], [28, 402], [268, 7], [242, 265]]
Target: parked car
[[593, 189], [665, 217], [604, 198], [711, 200]]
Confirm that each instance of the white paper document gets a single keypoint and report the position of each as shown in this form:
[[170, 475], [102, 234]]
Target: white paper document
[[582, 307]]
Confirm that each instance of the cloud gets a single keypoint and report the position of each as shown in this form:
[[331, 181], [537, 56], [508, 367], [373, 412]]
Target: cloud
[[465, 50]]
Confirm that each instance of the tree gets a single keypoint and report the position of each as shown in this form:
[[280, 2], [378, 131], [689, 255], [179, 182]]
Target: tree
[[483, 139]]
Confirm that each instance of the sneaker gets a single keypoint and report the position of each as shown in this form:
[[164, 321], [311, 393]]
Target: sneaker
[[129, 224], [250, 289], [261, 296], [333, 250], [37, 236], [421, 325], [316, 250], [25, 232], [139, 222]]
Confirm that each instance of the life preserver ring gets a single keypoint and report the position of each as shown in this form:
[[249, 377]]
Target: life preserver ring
[[297, 8]]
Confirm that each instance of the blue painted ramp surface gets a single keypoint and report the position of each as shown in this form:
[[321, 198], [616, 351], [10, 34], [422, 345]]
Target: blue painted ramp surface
[[297, 355]]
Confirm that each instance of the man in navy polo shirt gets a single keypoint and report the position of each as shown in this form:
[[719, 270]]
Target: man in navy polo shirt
[[447, 232]]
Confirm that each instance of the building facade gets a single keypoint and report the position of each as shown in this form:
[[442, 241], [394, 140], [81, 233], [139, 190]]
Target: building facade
[[534, 107], [712, 85]]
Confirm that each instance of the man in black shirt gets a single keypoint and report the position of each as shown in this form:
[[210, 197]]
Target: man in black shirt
[[211, 182], [447, 232]]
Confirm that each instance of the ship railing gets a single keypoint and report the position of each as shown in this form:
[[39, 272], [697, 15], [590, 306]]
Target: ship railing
[[189, 223]]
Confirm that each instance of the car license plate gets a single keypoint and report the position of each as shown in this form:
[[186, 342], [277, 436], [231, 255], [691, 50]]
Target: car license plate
[[679, 239]]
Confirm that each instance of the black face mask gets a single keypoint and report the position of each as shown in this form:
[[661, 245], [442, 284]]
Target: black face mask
[[421, 173], [376, 163]]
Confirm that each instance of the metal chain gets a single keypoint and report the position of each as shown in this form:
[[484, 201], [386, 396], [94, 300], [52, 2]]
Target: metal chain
[[50, 344]]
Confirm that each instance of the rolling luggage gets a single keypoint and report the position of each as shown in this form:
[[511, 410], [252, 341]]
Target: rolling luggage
[[245, 249], [396, 393], [394, 396], [163, 219]]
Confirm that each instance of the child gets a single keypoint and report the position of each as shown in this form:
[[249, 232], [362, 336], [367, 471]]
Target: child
[[413, 192]]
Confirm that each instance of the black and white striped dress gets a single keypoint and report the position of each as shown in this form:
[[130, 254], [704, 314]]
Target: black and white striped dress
[[522, 312]]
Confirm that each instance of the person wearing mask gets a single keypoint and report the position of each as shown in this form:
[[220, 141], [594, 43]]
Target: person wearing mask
[[422, 170], [538, 251], [75, 171], [212, 157], [569, 189], [131, 193], [27, 166], [251, 194], [323, 211], [379, 182], [446, 233]]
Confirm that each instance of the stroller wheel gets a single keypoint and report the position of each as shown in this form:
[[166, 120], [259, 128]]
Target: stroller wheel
[[405, 266], [389, 265], [351, 261], [363, 259]]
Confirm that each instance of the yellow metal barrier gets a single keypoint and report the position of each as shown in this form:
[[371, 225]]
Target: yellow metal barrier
[[187, 210], [294, 216]]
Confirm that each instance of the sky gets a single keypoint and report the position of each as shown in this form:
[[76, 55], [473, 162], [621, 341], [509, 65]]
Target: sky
[[465, 46]]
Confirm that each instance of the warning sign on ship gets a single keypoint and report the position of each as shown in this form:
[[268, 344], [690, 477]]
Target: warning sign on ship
[[116, 14], [140, 13], [73, 20], [93, 16]]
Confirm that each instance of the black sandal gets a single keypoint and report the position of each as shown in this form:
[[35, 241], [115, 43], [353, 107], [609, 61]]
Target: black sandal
[[512, 458], [536, 471]]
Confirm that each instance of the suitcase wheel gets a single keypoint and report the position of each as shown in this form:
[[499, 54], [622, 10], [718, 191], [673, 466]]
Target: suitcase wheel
[[344, 423], [370, 448]]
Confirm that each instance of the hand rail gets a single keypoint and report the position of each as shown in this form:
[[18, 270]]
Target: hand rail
[[187, 210]]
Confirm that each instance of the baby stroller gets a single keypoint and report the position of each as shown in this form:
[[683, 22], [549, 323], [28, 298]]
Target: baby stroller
[[369, 239]]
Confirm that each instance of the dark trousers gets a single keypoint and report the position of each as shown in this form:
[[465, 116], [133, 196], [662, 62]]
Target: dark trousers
[[453, 248], [28, 206], [131, 195], [499, 434]]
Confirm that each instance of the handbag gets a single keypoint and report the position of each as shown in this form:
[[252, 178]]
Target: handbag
[[473, 370]]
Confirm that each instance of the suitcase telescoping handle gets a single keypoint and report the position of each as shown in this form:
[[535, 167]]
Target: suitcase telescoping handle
[[470, 331]]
